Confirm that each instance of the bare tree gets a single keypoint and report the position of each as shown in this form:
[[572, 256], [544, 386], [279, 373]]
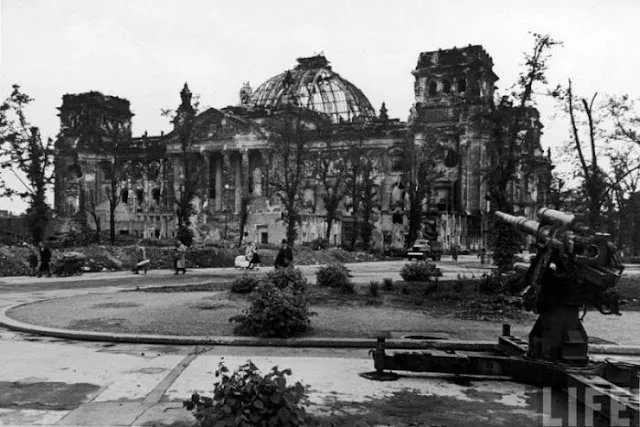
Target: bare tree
[[594, 185], [91, 208], [292, 132], [626, 118], [28, 157], [369, 197], [419, 162], [330, 167], [508, 121]]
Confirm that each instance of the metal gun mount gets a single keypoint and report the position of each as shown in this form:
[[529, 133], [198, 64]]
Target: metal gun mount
[[573, 268]]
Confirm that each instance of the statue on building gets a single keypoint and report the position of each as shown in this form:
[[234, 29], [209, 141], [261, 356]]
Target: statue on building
[[245, 95], [384, 115]]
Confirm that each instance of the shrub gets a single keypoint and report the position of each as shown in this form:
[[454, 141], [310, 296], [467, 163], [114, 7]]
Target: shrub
[[335, 275], [244, 284], [274, 313], [247, 398], [283, 277], [489, 284], [395, 252], [421, 271], [387, 283], [319, 243], [374, 288]]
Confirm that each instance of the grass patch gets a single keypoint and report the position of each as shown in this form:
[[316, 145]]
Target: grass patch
[[199, 287]]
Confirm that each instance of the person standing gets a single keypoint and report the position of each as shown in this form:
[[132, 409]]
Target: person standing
[[32, 259], [45, 259], [284, 258], [180, 262]]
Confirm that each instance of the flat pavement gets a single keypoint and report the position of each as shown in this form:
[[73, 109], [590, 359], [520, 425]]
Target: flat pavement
[[52, 381]]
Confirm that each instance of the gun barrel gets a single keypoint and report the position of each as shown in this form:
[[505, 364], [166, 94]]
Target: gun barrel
[[521, 223], [552, 216]]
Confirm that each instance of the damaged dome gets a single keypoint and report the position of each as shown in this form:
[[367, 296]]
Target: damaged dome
[[313, 85]]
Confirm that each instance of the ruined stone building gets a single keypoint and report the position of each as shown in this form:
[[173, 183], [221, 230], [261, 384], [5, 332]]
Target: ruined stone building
[[234, 155]]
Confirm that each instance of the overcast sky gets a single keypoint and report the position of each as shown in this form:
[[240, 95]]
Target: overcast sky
[[145, 50]]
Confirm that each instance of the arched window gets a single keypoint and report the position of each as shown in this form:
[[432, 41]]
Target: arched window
[[433, 89], [124, 194], [446, 86], [462, 84]]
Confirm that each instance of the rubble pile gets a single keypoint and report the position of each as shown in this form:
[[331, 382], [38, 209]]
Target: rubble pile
[[13, 259]]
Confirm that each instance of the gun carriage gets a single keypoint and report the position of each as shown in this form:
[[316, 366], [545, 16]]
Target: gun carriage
[[573, 269]]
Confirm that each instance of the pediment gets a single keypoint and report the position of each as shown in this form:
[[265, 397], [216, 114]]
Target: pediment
[[214, 124]]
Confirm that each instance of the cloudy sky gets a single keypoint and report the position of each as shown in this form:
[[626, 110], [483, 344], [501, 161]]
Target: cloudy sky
[[144, 50]]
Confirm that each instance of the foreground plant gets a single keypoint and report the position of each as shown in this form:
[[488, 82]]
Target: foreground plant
[[246, 398]]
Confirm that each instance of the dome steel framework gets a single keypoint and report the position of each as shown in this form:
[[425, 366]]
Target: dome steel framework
[[314, 85]]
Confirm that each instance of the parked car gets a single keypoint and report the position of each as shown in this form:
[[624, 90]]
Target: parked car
[[423, 249]]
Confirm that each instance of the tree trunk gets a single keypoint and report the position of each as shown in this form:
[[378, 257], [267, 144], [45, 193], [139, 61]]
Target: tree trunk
[[98, 229], [327, 234], [112, 223]]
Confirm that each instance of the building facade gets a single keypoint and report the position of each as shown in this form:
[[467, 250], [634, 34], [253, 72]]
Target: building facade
[[231, 155]]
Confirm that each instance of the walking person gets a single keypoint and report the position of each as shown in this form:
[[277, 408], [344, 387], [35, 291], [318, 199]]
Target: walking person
[[45, 259], [142, 262], [454, 253], [180, 260], [252, 256], [32, 259], [284, 258]]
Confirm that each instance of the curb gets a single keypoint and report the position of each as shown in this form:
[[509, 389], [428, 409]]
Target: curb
[[364, 343]]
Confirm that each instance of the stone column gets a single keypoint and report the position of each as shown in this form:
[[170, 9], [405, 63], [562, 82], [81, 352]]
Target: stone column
[[207, 178], [239, 181], [226, 160], [218, 199], [264, 154]]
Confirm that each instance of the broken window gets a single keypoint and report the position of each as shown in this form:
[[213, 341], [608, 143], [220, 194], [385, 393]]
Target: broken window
[[462, 84], [433, 89], [446, 86]]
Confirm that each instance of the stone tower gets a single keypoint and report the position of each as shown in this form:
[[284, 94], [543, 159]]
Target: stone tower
[[84, 121], [453, 88]]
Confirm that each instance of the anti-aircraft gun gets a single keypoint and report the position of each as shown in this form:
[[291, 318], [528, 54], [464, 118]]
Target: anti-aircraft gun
[[574, 268]]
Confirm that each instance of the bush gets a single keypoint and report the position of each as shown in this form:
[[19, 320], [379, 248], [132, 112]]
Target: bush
[[335, 275], [387, 283], [283, 277], [244, 284], [274, 313], [374, 288], [395, 252], [489, 284], [246, 398], [421, 271], [319, 243]]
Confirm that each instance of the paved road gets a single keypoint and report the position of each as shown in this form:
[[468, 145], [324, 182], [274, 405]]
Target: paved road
[[48, 381]]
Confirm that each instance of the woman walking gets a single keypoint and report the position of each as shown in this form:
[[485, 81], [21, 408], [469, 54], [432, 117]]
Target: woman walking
[[180, 261]]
